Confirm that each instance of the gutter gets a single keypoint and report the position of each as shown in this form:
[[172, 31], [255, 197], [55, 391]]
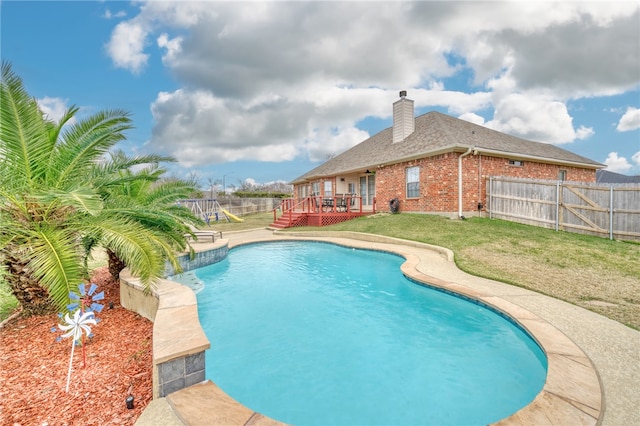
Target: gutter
[[469, 151], [506, 154]]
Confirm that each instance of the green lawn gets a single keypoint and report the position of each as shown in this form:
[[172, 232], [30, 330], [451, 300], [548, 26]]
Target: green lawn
[[8, 303], [259, 220], [592, 272]]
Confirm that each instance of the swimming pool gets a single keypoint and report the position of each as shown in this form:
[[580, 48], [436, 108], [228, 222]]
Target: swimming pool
[[314, 333]]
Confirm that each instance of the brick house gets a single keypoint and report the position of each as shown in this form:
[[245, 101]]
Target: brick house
[[435, 163]]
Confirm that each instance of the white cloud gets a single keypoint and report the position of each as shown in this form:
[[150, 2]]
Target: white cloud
[[617, 164], [250, 182], [473, 118], [172, 46], [126, 46], [536, 118], [272, 81], [110, 15], [54, 108], [199, 128], [323, 143], [455, 102], [636, 159], [532, 40], [630, 120], [583, 132]]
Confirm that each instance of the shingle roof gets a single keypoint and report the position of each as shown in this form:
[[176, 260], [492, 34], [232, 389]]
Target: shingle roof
[[437, 133], [605, 176]]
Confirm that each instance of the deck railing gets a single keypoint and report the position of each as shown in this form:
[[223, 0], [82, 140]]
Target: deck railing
[[288, 206], [321, 205], [341, 203]]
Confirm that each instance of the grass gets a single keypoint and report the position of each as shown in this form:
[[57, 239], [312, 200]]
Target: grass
[[595, 273], [8, 303], [259, 220]]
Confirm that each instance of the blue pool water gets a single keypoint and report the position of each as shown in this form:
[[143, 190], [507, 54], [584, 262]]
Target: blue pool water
[[318, 334]]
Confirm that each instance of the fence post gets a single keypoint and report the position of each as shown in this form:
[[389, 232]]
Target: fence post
[[490, 194], [611, 212], [557, 204], [560, 206]]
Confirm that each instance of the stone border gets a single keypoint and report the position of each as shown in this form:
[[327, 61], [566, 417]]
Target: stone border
[[179, 342], [213, 254]]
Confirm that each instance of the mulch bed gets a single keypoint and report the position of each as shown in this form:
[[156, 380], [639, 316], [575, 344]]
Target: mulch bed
[[33, 368]]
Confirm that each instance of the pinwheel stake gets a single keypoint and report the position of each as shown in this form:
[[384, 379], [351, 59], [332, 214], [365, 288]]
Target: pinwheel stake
[[75, 327], [79, 323]]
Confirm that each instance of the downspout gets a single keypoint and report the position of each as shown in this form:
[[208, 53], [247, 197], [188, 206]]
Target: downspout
[[469, 151]]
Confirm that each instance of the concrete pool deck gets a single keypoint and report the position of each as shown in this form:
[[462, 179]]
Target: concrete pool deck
[[594, 362]]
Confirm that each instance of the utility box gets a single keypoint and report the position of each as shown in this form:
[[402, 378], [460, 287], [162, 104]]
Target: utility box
[[394, 206]]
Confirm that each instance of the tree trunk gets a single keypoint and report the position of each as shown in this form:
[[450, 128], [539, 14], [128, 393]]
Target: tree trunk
[[33, 298], [115, 265]]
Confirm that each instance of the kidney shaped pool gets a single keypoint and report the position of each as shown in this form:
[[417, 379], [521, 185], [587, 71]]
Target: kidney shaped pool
[[313, 333]]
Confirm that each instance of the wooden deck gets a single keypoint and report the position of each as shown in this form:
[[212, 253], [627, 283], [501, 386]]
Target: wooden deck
[[319, 211]]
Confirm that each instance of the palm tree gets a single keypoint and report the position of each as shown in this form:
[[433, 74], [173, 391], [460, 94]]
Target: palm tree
[[151, 200], [53, 182]]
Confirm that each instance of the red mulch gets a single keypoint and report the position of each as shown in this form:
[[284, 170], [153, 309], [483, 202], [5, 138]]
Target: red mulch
[[33, 368]]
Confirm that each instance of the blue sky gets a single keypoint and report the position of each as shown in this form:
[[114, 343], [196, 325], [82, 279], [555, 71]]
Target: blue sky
[[265, 91]]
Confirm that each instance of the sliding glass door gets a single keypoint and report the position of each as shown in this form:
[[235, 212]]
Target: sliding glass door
[[367, 189]]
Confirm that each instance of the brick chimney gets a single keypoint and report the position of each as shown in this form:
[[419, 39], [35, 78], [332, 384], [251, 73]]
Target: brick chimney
[[403, 120]]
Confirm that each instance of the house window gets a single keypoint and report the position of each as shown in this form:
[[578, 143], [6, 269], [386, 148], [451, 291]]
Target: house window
[[352, 188], [327, 188], [315, 188], [562, 175], [413, 182], [517, 163]]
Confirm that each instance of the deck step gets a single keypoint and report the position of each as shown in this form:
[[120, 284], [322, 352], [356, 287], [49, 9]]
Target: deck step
[[283, 221], [314, 219]]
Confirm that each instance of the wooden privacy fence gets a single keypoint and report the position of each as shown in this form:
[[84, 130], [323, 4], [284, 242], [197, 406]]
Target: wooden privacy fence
[[611, 210]]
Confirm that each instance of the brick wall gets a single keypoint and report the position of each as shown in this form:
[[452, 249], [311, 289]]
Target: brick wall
[[488, 166], [439, 180]]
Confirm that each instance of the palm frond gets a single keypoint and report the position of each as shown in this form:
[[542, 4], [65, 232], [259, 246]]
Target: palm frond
[[23, 134], [168, 192], [163, 224], [106, 173], [56, 129], [85, 143], [136, 246], [82, 199], [56, 262]]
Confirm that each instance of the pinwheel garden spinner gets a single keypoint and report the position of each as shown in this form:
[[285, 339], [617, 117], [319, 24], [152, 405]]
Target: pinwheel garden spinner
[[79, 319]]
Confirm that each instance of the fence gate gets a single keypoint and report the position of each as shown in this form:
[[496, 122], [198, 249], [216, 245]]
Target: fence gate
[[611, 211]]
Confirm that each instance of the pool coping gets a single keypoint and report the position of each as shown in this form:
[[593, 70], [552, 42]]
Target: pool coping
[[572, 393]]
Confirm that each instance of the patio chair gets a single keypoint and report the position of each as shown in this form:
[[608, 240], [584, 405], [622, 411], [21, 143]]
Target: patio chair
[[327, 204], [205, 234], [341, 203]]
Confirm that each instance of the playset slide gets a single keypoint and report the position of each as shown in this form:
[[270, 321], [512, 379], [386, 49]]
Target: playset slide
[[233, 217]]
